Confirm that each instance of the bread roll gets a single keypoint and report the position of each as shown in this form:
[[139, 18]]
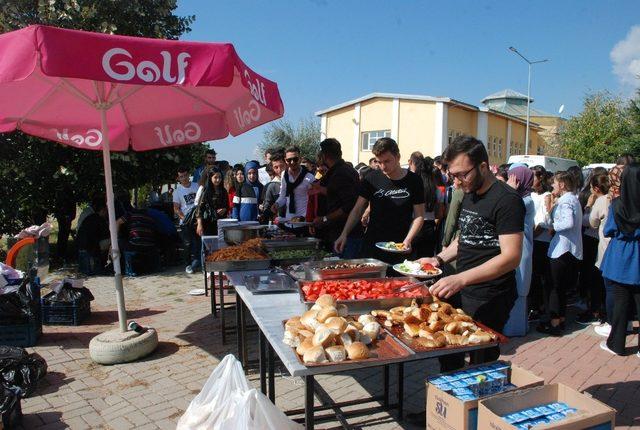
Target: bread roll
[[353, 331], [314, 355], [336, 353], [466, 318], [310, 320], [336, 325], [480, 337], [304, 346], [421, 314], [316, 307], [344, 339], [365, 338], [327, 313], [343, 310], [356, 324], [326, 300], [363, 319], [292, 321], [381, 313], [412, 330], [292, 338], [357, 351], [305, 333], [371, 329], [323, 337], [433, 317]]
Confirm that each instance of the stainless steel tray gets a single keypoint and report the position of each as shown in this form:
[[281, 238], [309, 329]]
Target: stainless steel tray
[[270, 283], [236, 265], [367, 305], [294, 243], [317, 270]]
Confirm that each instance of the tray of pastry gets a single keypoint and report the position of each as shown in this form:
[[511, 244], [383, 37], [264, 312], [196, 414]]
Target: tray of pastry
[[327, 335], [436, 326]]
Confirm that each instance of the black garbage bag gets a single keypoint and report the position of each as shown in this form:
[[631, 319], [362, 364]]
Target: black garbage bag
[[19, 303], [8, 400], [20, 371], [65, 293]]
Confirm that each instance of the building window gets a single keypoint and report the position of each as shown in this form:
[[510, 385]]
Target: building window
[[450, 136], [369, 138]]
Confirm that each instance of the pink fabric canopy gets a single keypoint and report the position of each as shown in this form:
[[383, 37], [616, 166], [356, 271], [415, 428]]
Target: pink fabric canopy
[[156, 93]]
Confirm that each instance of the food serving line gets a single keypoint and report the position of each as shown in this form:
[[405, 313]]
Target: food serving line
[[271, 309]]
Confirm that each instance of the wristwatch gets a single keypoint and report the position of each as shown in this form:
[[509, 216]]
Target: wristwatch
[[325, 219], [440, 260]]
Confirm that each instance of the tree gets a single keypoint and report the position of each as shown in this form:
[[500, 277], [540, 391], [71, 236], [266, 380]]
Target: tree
[[602, 131], [282, 133], [37, 173]]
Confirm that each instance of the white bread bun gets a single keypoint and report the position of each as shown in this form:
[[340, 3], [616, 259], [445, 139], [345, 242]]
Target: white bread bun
[[480, 337], [316, 307], [357, 351], [336, 353], [371, 329], [326, 301], [343, 310], [336, 325], [354, 332], [291, 338], [323, 337], [327, 313], [310, 320], [412, 330], [305, 333], [304, 346], [345, 339], [314, 355], [363, 319], [365, 338]]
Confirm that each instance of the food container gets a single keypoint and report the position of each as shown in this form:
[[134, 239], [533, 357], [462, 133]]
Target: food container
[[324, 270], [236, 265], [270, 283], [294, 243], [288, 257], [367, 305], [236, 235]]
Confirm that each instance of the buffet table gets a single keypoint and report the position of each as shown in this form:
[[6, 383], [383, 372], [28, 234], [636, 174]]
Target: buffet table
[[269, 312]]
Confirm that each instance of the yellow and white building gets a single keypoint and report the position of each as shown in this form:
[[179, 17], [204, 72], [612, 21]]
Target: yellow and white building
[[426, 124]]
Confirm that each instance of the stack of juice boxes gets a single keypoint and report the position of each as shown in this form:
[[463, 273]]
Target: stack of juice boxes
[[544, 414], [475, 383]]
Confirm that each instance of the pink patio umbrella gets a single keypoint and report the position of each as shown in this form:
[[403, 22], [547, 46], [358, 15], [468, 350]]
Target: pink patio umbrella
[[113, 93]]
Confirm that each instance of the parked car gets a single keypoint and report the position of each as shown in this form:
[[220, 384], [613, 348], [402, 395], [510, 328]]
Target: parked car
[[552, 164]]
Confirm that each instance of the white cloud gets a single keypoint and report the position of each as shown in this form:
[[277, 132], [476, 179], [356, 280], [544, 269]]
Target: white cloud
[[625, 57]]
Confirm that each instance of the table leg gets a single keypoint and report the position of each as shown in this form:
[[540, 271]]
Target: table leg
[[262, 357], [243, 328], [400, 391], [271, 371], [206, 281], [385, 384], [309, 389], [222, 322], [214, 310], [239, 332]]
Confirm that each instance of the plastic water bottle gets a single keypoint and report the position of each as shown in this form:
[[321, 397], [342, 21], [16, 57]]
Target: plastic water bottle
[[134, 326]]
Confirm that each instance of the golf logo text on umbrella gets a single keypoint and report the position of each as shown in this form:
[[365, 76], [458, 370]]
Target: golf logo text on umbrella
[[146, 70], [91, 138], [190, 133]]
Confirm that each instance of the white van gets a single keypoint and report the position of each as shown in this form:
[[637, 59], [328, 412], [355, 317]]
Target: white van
[[551, 164]]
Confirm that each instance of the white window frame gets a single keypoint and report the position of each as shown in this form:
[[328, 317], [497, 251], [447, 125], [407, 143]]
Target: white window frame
[[370, 137]]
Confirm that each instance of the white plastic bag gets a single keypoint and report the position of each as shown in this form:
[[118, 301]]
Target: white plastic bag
[[227, 402]]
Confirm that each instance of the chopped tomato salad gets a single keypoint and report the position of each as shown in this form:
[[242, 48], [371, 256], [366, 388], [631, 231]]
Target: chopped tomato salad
[[357, 290]]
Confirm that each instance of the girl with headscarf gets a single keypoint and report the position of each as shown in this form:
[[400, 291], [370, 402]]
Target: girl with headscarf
[[621, 262], [248, 191], [521, 179], [213, 204]]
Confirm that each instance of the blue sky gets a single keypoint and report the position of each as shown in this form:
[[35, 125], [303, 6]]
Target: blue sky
[[324, 52]]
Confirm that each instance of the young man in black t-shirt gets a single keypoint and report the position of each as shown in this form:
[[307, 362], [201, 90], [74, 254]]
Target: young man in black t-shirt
[[489, 246], [396, 196]]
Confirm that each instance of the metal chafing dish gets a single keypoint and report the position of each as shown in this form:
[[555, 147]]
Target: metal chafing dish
[[270, 283], [321, 270], [237, 235], [210, 245], [293, 243], [367, 305]]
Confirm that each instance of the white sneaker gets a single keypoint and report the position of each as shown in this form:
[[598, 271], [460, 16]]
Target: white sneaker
[[604, 347], [603, 329], [189, 270]]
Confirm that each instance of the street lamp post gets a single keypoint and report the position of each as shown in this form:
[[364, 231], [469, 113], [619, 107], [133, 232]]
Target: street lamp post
[[511, 48]]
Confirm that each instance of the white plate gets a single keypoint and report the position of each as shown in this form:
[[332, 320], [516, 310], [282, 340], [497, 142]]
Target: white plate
[[420, 274], [297, 224], [380, 245], [196, 292]]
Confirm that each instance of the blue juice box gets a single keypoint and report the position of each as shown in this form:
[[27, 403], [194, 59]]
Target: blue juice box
[[458, 384], [569, 411], [558, 406], [462, 392], [545, 410], [444, 387], [468, 398], [532, 413], [555, 417]]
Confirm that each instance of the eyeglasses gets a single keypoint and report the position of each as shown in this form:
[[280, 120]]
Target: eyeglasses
[[292, 160], [461, 176]]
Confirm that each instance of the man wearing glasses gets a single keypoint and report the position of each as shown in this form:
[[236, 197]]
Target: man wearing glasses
[[294, 191], [488, 248]]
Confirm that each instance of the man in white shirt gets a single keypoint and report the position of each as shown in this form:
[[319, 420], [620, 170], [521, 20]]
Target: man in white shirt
[[263, 176], [294, 191], [184, 201]]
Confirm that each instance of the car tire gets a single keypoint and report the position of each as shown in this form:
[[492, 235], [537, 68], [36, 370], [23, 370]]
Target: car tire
[[113, 347]]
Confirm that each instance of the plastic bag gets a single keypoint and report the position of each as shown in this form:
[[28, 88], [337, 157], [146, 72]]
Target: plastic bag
[[67, 291], [226, 400], [20, 371], [18, 303]]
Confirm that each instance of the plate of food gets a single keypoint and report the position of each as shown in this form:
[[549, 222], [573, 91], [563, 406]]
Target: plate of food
[[414, 268], [297, 222], [395, 247]]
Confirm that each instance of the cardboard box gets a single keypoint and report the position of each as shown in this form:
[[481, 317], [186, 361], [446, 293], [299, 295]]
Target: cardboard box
[[447, 412], [592, 414]]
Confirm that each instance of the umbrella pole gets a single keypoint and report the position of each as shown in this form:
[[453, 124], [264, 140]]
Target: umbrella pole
[[113, 228]]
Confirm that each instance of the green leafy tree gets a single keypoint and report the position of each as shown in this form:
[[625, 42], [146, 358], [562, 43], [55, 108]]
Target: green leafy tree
[[283, 133], [601, 132], [38, 174]]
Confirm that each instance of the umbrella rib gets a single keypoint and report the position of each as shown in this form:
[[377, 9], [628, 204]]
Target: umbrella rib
[[40, 102], [76, 92], [126, 96], [200, 99]]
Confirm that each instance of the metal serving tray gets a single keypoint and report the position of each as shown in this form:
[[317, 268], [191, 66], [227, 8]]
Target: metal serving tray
[[368, 305], [270, 283], [236, 265], [293, 243], [318, 270]]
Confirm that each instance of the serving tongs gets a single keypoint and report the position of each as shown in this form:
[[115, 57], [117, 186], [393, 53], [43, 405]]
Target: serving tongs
[[414, 286]]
